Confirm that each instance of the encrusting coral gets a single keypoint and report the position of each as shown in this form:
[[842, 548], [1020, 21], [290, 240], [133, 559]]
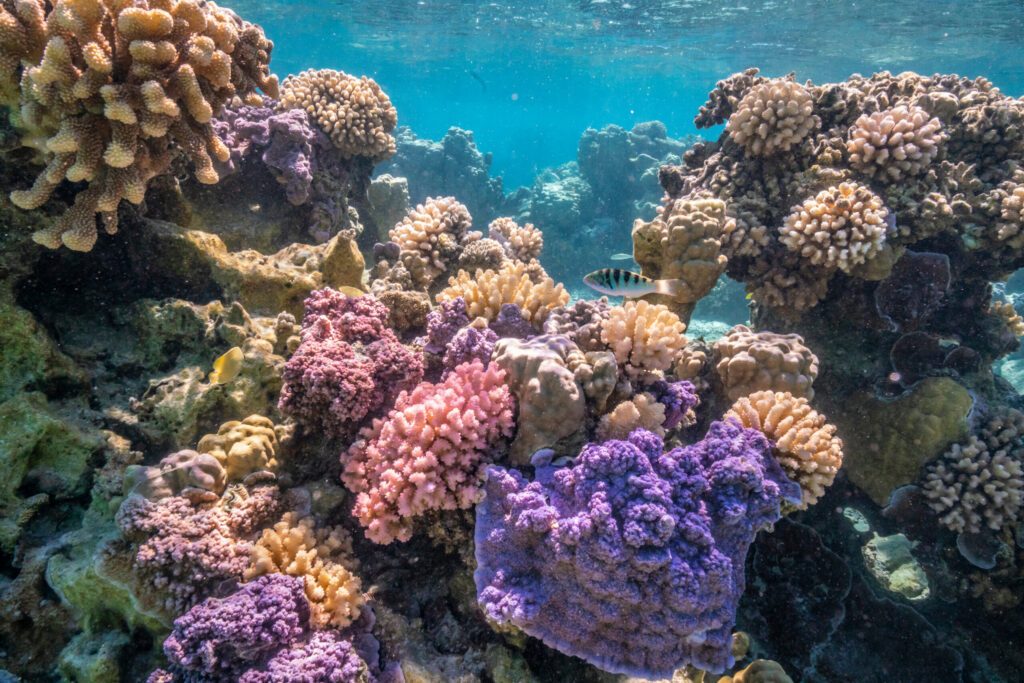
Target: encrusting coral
[[802, 441], [111, 93], [354, 112], [488, 290], [897, 142], [748, 361], [645, 337], [321, 557], [979, 485], [772, 117]]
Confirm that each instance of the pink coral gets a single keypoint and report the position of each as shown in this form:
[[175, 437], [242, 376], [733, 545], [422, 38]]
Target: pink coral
[[356, 319], [429, 453], [185, 548]]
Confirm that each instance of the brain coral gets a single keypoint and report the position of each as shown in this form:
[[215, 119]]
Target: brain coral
[[435, 231], [521, 242], [894, 143], [243, 447], [804, 443], [748, 361], [317, 556], [488, 290], [429, 452], [645, 337], [110, 93], [840, 227], [772, 117], [354, 112], [979, 484], [631, 558]]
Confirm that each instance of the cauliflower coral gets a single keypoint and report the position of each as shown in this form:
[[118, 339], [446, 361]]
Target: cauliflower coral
[[894, 143], [645, 337], [772, 117]]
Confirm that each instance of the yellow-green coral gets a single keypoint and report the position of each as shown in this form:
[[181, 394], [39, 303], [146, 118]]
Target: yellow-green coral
[[243, 447]]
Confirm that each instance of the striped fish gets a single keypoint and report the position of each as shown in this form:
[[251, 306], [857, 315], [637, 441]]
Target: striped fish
[[618, 282]]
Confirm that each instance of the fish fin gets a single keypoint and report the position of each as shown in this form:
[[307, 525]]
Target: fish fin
[[668, 287], [213, 377]]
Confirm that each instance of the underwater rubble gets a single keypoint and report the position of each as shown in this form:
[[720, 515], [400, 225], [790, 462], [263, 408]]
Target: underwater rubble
[[418, 457]]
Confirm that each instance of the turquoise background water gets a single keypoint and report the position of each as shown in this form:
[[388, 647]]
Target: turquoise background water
[[529, 77]]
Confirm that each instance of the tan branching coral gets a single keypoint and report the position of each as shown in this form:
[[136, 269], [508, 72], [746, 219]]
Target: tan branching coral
[[243, 447], [644, 337], [488, 290], [979, 484], [895, 143], [640, 412], [804, 443], [119, 90], [354, 112], [748, 361], [773, 117], [22, 38], [521, 242], [1013, 320], [683, 243], [434, 231], [1009, 229], [840, 227], [322, 558]]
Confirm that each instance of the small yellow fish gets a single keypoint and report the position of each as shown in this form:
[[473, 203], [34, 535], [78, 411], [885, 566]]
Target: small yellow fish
[[750, 295], [350, 291], [227, 367]]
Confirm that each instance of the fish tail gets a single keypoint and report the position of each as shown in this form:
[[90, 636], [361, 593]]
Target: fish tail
[[668, 287]]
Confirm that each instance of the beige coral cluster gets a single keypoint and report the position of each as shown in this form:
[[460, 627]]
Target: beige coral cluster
[[433, 233], [243, 447], [979, 484], [643, 411], [1009, 315], [840, 227], [354, 112], [520, 242], [322, 558], [111, 92], [773, 117], [488, 290], [1009, 230], [898, 142], [684, 244], [645, 337], [805, 444], [748, 361]]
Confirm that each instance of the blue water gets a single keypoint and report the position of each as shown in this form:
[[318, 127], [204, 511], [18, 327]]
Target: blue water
[[529, 77]]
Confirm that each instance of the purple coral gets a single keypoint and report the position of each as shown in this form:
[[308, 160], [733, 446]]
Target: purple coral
[[325, 658], [348, 365], [510, 323], [442, 324], [679, 398], [467, 345], [631, 559]]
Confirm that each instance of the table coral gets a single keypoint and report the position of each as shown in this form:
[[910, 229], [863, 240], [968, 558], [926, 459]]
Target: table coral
[[979, 484], [772, 117], [897, 142], [354, 112], [429, 452], [111, 94], [488, 290], [748, 361], [645, 337], [318, 556], [802, 441], [632, 558]]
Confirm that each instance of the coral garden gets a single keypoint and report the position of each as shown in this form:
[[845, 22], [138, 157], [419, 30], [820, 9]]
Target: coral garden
[[434, 462]]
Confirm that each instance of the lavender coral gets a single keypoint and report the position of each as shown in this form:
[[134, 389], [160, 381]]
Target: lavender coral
[[429, 452], [631, 559]]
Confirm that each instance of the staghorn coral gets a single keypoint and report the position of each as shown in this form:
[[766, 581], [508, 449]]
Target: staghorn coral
[[523, 243], [772, 117], [684, 244], [645, 337], [979, 484], [488, 290], [119, 91], [897, 142], [433, 233], [429, 452], [748, 361], [643, 411], [354, 112], [551, 402], [802, 441], [840, 227], [243, 447], [319, 557]]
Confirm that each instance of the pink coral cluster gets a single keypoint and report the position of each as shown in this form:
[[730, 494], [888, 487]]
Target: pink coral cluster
[[348, 364], [429, 453]]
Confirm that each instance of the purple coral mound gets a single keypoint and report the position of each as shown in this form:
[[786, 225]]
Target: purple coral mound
[[348, 365], [324, 658], [442, 324], [679, 398], [467, 345], [631, 559]]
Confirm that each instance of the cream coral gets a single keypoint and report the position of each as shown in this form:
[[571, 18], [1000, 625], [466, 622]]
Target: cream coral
[[434, 231], [521, 242], [804, 443], [488, 290], [640, 412], [895, 143], [772, 117], [748, 361], [644, 337]]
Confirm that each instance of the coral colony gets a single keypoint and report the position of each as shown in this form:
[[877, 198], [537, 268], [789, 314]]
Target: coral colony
[[436, 465]]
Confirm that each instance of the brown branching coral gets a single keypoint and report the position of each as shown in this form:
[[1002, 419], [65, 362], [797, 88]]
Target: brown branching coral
[[748, 361], [772, 117], [645, 337], [321, 557], [117, 91], [431, 237], [894, 143], [354, 112], [521, 242], [804, 443], [1009, 315], [840, 227], [488, 290]]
